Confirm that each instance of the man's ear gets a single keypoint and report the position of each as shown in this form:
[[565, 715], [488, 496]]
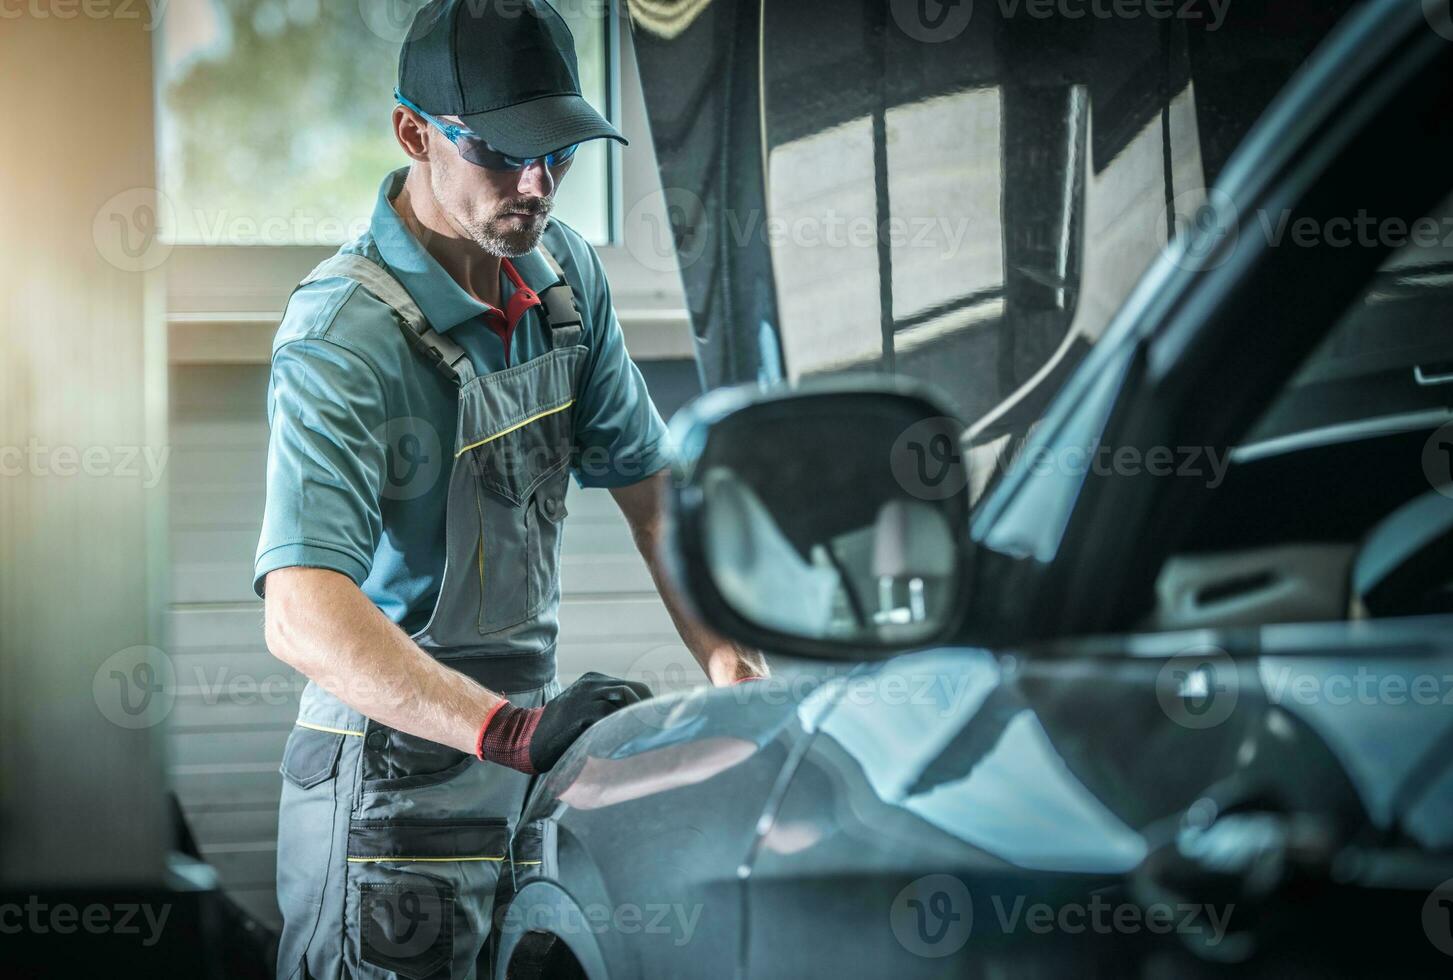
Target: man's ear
[[412, 133]]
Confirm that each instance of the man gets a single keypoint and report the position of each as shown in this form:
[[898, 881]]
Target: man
[[432, 387]]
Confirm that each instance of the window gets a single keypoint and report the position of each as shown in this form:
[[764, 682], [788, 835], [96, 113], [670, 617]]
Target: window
[[1391, 355], [1336, 504], [273, 118]]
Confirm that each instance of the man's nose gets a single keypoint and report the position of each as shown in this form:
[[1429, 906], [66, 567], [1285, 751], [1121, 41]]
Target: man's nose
[[536, 180]]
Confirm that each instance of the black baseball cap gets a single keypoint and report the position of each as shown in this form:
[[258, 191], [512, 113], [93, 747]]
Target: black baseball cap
[[506, 68]]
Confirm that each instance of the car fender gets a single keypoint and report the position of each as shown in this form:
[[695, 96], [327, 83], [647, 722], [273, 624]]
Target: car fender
[[545, 907]]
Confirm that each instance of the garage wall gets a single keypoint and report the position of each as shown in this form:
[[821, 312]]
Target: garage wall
[[235, 703]]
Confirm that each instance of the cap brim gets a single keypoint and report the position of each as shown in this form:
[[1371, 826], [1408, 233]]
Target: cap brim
[[540, 126]]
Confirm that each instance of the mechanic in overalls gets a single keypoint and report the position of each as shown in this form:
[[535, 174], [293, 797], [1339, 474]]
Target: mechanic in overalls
[[433, 386]]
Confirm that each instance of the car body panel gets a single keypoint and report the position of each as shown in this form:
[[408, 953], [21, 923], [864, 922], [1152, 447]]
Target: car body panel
[[652, 813], [1047, 783]]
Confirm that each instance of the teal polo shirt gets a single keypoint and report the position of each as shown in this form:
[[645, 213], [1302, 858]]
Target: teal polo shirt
[[361, 428]]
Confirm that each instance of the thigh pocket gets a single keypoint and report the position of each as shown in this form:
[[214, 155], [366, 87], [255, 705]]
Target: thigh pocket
[[406, 924], [413, 922]]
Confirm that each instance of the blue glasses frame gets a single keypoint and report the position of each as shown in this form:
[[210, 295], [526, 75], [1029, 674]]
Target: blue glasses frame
[[472, 146]]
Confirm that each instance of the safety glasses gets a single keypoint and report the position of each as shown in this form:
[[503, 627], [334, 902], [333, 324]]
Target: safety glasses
[[473, 148]]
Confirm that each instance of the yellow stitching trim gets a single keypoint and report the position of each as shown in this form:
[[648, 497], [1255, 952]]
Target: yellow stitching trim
[[479, 510], [416, 860], [330, 731], [517, 425]]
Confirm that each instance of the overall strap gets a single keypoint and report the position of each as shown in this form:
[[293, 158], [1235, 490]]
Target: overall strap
[[447, 356], [562, 316]]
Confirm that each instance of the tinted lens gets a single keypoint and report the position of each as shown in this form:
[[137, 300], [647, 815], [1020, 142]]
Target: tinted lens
[[477, 151]]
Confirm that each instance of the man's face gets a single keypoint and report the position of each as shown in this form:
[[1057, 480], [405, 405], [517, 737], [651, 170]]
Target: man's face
[[503, 212]]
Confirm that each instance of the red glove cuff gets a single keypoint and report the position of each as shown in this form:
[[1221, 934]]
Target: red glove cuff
[[479, 739], [504, 737]]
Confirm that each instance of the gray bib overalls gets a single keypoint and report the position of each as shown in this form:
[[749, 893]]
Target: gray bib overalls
[[390, 846]]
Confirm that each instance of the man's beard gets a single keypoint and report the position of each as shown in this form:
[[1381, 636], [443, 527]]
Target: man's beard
[[509, 237], [502, 235]]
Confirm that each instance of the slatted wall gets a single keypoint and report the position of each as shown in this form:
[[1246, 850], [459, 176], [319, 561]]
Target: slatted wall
[[235, 703]]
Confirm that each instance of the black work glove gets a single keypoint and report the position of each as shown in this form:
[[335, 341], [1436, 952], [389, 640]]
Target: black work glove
[[533, 739]]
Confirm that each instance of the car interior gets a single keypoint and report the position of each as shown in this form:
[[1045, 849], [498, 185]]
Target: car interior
[[1338, 504]]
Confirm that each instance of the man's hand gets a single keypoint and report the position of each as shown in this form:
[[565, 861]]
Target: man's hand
[[533, 739]]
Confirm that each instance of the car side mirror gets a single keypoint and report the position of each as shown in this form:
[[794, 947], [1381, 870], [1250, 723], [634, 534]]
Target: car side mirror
[[830, 520]]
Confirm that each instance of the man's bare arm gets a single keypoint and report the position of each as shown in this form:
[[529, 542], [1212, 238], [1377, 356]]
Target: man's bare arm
[[322, 624], [723, 661]]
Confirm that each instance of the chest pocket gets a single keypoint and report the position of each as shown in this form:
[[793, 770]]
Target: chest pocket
[[516, 431]]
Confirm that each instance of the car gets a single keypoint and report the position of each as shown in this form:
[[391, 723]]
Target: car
[[1157, 687]]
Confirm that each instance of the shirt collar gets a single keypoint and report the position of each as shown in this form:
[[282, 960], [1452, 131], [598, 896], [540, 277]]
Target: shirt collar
[[443, 301]]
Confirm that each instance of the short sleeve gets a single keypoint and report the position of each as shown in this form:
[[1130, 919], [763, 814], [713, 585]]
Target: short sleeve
[[620, 437], [325, 462]]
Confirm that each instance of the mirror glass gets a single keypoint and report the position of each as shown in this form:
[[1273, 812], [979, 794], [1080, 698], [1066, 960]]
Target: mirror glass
[[836, 517]]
